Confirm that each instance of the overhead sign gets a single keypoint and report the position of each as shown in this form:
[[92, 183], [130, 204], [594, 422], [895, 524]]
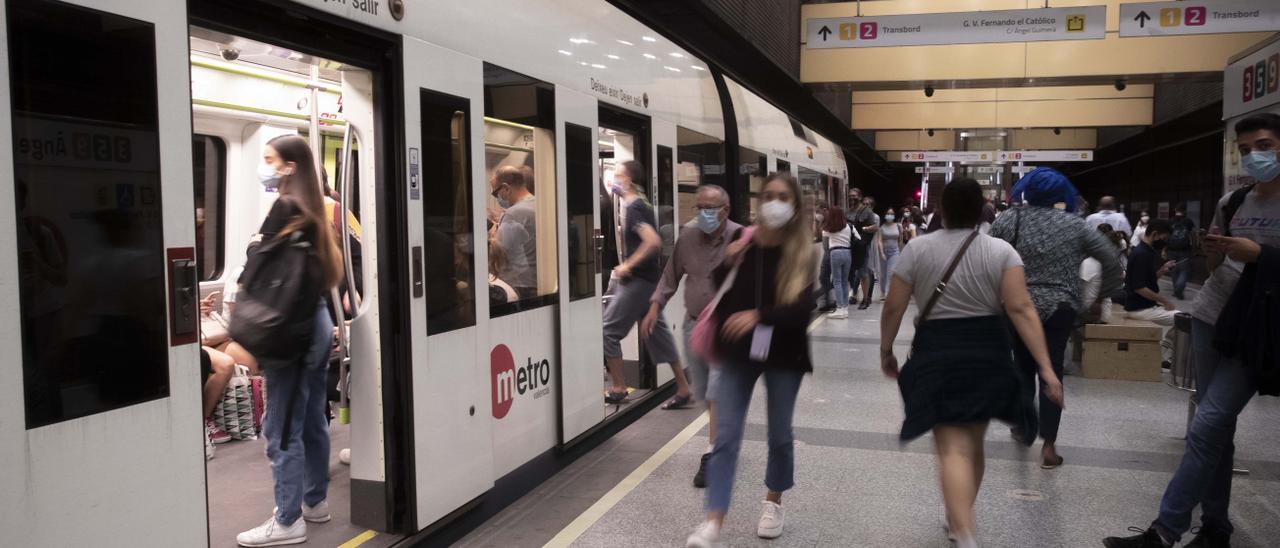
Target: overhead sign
[[1252, 83], [969, 27], [949, 156], [935, 169], [1045, 156], [1024, 169], [990, 169], [1199, 17]]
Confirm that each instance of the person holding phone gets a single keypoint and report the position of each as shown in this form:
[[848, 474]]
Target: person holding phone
[[1143, 300]]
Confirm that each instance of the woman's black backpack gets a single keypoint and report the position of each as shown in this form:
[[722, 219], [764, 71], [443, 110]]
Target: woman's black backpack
[[275, 310]]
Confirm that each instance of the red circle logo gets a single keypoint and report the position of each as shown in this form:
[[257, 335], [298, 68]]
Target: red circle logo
[[503, 382]]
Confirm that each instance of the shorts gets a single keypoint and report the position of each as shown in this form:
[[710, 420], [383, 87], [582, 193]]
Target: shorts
[[629, 304]]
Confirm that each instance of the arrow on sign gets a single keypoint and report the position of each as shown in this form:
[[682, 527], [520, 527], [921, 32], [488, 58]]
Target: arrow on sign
[[825, 32], [1142, 19]]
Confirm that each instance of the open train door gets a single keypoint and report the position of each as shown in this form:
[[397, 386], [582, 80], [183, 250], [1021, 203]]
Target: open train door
[[581, 353], [100, 427]]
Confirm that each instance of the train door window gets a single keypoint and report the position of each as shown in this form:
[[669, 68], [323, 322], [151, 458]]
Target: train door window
[[664, 210], [699, 161], [783, 166], [814, 187], [579, 184], [450, 262], [520, 172], [89, 216], [209, 166], [753, 167]]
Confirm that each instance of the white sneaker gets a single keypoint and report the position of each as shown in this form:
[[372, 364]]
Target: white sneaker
[[208, 446], [839, 313], [707, 535], [344, 456], [770, 521], [272, 533], [316, 514]]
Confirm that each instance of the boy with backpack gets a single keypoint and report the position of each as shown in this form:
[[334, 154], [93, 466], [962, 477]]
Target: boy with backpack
[[1181, 248]]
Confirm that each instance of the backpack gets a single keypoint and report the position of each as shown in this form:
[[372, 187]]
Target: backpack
[[1233, 204], [274, 316], [1180, 238]]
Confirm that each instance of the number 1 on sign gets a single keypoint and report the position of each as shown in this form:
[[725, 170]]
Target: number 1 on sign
[[1171, 17]]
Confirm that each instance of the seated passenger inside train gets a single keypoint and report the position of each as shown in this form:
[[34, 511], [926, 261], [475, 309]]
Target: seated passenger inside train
[[515, 230]]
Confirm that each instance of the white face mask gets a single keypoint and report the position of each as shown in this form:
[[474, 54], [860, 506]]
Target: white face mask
[[776, 214]]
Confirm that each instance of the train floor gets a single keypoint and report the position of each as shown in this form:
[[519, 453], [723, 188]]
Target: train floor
[[241, 496], [857, 486]]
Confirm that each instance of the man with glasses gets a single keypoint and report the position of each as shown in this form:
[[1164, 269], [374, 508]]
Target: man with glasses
[[516, 230], [862, 217], [698, 251]]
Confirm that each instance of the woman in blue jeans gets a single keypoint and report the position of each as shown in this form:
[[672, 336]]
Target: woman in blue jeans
[[763, 318], [301, 472], [839, 236], [889, 242]]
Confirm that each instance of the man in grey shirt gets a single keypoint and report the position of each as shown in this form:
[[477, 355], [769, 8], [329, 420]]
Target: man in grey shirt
[[698, 251], [517, 231]]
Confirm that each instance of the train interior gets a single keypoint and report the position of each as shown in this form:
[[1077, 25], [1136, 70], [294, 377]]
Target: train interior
[[244, 93]]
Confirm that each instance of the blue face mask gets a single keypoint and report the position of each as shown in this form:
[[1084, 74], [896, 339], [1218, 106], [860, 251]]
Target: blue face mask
[[1262, 165], [269, 176], [708, 220]]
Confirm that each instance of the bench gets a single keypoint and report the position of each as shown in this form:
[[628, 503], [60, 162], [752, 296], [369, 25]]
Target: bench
[[1124, 349]]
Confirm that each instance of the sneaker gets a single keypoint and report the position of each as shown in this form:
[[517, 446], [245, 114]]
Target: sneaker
[[215, 434], [1146, 539], [272, 533], [770, 521], [344, 456], [1210, 538], [839, 313], [700, 479], [316, 514], [706, 535], [208, 446]]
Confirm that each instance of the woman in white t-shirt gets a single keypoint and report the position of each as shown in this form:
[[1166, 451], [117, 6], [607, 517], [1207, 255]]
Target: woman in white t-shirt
[[960, 373], [839, 239]]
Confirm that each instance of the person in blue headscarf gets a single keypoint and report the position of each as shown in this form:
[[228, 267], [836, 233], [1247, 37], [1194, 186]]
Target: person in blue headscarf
[[1053, 242]]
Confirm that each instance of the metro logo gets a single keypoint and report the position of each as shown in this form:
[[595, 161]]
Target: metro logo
[[507, 382]]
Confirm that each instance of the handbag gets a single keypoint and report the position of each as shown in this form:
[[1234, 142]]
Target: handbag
[[234, 413], [703, 338], [213, 329], [946, 277], [274, 317]]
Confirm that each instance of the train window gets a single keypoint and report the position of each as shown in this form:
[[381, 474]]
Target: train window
[[579, 185], [753, 167], [209, 166], [89, 216], [664, 212], [446, 213], [813, 185], [699, 161], [783, 166], [519, 153]]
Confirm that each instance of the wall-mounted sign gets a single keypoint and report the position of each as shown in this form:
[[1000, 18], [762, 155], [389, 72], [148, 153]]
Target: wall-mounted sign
[[1199, 17], [1045, 156], [972, 27], [1252, 83], [935, 169], [631, 99], [950, 156], [1024, 169]]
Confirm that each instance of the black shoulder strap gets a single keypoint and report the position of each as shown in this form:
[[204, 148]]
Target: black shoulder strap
[[1233, 204], [946, 277]]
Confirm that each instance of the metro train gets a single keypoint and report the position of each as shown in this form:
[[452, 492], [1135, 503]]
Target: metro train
[[138, 127]]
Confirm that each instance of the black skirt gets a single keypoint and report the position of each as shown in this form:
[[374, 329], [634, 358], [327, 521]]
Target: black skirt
[[961, 371]]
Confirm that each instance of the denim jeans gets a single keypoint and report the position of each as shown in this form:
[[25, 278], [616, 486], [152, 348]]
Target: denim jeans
[[702, 377], [1181, 271], [841, 260], [1223, 387], [1057, 331], [301, 473], [733, 396], [886, 268], [824, 277]]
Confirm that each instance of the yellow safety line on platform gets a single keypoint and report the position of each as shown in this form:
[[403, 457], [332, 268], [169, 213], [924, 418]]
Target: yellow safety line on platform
[[601, 507], [359, 539]]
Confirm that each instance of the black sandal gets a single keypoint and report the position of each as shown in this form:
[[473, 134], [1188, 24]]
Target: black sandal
[[614, 398], [1047, 465], [677, 402]]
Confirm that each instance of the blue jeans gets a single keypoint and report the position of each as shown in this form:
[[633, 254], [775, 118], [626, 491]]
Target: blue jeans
[[733, 396], [301, 473], [841, 261], [702, 377], [824, 277], [1181, 271], [1223, 387], [886, 268]]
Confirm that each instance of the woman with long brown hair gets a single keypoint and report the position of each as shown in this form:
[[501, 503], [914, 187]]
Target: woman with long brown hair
[[839, 237], [762, 317], [296, 389]]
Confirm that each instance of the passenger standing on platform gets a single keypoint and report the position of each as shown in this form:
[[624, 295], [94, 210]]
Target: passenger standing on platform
[[1143, 220], [1224, 384], [1181, 248], [840, 238], [1053, 244], [960, 373], [635, 280], [301, 472], [1107, 214], [826, 302], [1142, 298], [865, 222], [763, 318], [889, 242], [698, 251]]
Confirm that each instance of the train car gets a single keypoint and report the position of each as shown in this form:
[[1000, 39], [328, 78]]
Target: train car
[[138, 129]]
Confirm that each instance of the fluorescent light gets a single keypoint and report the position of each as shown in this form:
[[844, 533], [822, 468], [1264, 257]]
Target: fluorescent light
[[605, 143], [583, 63], [581, 41], [648, 56], [671, 68], [614, 57], [676, 54], [648, 39], [625, 43], [696, 67], [563, 52], [598, 65]]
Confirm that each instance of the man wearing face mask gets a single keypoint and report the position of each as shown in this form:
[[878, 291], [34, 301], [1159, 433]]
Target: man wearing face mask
[[1246, 230], [516, 229], [1143, 300], [698, 251], [634, 282]]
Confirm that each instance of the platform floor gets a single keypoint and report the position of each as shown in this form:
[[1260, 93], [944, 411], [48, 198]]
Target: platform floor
[[856, 486]]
